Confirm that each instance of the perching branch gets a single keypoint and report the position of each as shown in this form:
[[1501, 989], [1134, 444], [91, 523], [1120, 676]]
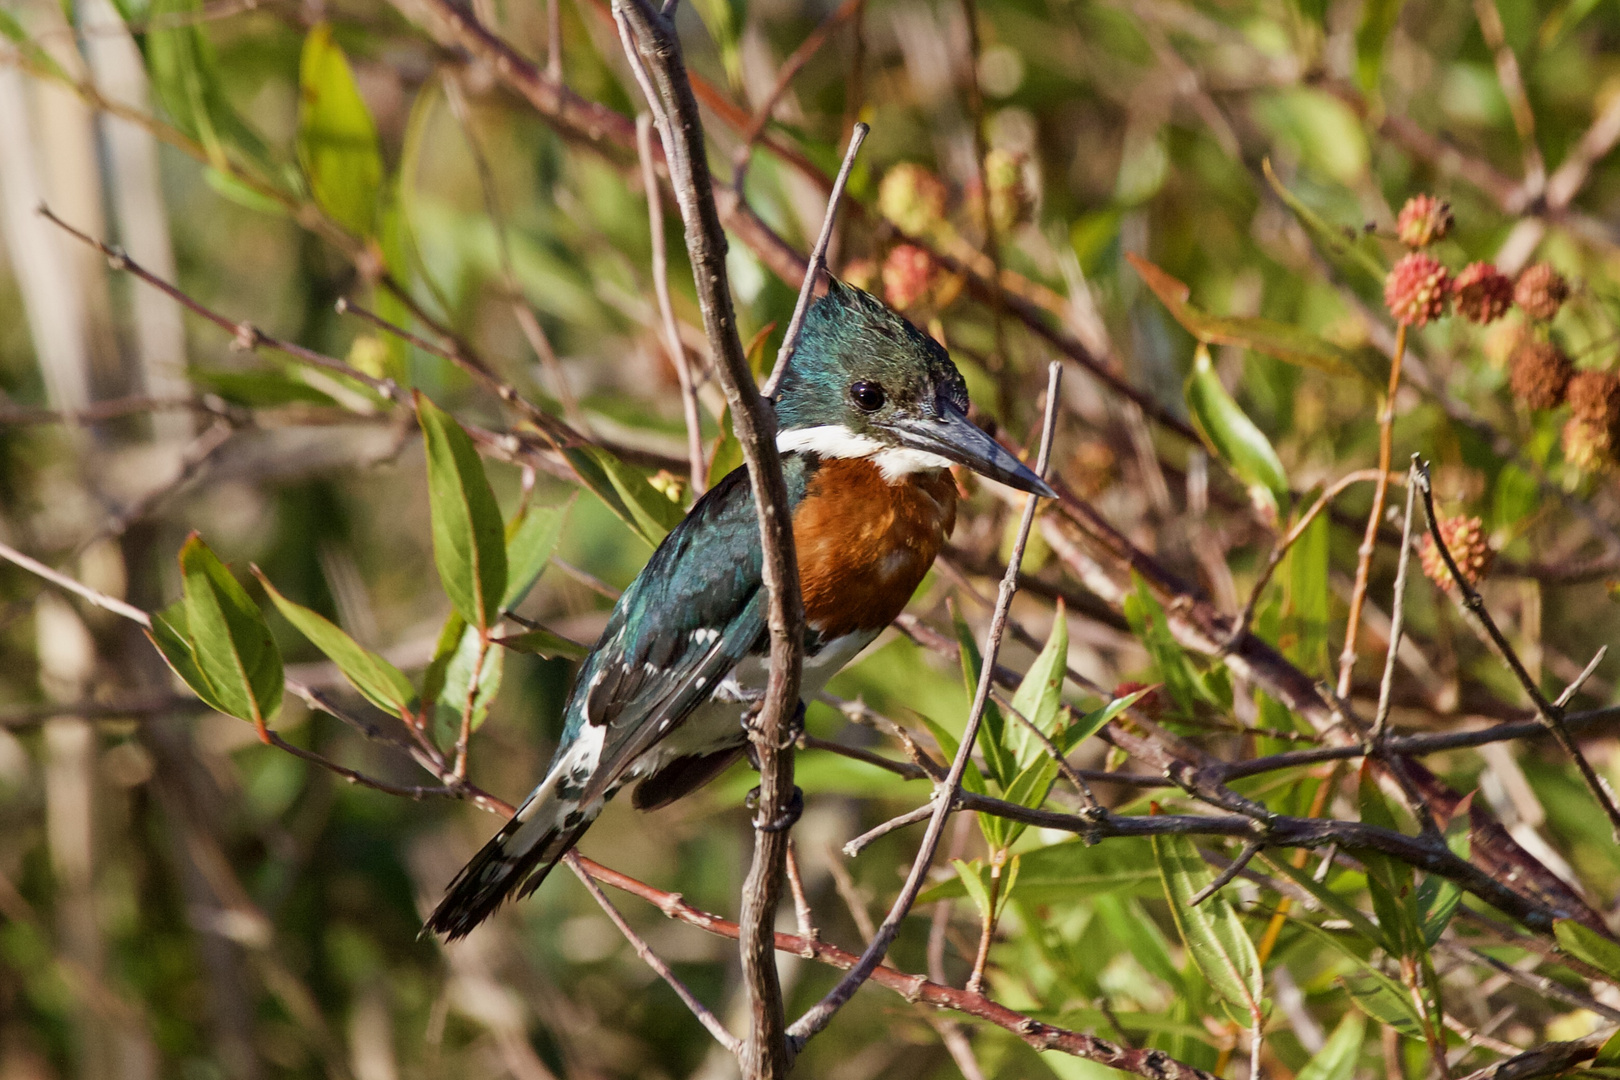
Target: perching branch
[[654, 52]]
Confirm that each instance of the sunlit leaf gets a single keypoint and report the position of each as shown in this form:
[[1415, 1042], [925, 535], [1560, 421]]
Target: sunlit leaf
[[170, 634], [447, 681], [1040, 695], [1072, 870], [531, 540], [999, 763], [1339, 1056], [625, 491], [543, 642], [1378, 18], [337, 138], [1232, 436], [229, 638], [469, 541], [1584, 943], [1350, 250], [380, 682], [1283, 341], [1212, 931]]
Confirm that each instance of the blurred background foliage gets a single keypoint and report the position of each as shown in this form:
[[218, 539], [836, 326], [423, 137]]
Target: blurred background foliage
[[179, 900]]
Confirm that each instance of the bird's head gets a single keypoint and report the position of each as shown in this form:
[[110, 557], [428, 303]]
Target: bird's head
[[864, 382]]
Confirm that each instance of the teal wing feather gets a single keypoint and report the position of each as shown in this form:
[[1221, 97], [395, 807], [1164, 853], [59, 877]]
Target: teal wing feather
[[696, 610]]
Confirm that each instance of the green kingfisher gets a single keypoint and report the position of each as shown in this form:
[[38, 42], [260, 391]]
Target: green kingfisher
[[871, 413]]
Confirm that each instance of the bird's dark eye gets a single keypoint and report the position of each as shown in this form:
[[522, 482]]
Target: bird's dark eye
[[868, 395]]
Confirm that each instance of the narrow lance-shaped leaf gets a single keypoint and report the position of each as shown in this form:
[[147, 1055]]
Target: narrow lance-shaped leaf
[[380, 682], [1282, 341], [1232, 436], [543, 642], [998, 758], [1040, 696], [337, 138], [1584, 943], [229, 638], [1338, 1057], [170, 634], [1346, 248], [469, 541], [1212, 931], [531, 540], [448, 678], [648, 511]]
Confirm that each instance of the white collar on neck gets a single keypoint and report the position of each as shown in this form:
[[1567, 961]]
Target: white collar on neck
[[837, 441]]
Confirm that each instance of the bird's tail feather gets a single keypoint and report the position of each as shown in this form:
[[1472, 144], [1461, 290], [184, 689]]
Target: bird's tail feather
[[518, 858]]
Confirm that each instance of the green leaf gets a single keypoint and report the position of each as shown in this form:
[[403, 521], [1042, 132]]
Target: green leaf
[[1152, 629], [725, 19], [727, 455], [184, 73], [1283, 341], [170, 634], [449, 677], [1378, 18], [1438, 897], [38, 57], [234, 652], [1378, 995], [971, 875], [1584, 943], [1608, 1055], [648, 511], [999, 763], [1338, 905], [1389, 881], [1349, 249], [543, 642], [380, 682], [469, 542], [1039, 696], [1385, 1000], [258, 387], [531, 540], [972, 778], [1232, 436], [1212, 931], [1308, 595], [337, 139], [1338, 1057], [1072, 870]]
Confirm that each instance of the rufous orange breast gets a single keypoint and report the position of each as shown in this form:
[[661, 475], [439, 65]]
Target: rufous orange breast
[[864, 544]]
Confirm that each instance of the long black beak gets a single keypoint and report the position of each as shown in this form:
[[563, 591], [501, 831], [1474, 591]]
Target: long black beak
[[950, 434]]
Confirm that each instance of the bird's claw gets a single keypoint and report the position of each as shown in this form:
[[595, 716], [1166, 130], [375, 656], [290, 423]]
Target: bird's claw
[[789, 816], [792, 730]]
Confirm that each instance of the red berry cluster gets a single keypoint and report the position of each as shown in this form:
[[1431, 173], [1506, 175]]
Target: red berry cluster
[[1419, 286]]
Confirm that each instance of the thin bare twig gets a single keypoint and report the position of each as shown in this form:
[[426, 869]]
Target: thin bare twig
[[652, 959], [1397, 616], [1375, 516], [801, 902], [818, 260], [817, 1017], [666, 310], [1550, 714]]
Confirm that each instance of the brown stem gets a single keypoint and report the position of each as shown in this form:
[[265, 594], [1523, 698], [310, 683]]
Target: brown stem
[[1375, 517], [654, 52]]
